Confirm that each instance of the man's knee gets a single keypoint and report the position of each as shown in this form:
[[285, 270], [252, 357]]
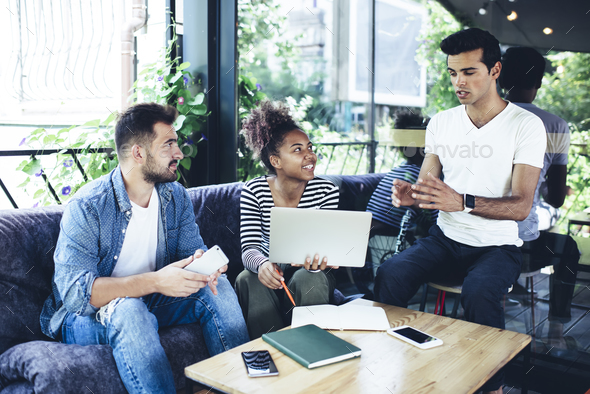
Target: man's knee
[[391, 270], [475, 293], [127, 314]]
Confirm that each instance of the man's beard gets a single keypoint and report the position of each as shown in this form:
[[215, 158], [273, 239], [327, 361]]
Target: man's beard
[[152, 173]]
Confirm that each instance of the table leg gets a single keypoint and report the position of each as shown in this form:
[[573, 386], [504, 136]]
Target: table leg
[[188, 385], [526, 364]]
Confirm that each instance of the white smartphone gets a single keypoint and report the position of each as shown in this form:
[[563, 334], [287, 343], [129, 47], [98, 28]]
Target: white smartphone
[[209, 262], [415, 337]]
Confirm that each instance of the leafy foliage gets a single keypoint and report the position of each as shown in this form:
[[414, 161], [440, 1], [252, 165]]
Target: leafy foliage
[[60, 170], [163, 82], [167, 82], [249, 97], [258, 22], [439, 25], [566, 93]]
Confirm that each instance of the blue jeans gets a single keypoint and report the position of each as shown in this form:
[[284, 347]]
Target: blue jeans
[[131, 329], [488, 273]]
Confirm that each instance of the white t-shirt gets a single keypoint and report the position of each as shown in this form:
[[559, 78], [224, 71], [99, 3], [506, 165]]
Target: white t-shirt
[[138, 254], [480, 162], [558, 144]]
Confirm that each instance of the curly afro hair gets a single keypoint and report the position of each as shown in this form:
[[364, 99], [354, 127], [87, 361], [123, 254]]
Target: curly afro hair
[[265, 130]]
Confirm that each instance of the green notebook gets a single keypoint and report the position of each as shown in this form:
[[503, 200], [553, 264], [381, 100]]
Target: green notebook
[[311, 346]]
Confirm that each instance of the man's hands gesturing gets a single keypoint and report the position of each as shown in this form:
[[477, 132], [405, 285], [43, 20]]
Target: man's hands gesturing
[[435, 194]]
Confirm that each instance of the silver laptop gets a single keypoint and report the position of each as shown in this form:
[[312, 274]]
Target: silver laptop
[[296, 234]]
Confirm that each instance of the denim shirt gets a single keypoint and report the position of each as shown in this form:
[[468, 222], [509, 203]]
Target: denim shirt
[[91, 236]]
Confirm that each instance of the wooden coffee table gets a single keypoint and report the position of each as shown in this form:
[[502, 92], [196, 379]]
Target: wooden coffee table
[[470, 355]]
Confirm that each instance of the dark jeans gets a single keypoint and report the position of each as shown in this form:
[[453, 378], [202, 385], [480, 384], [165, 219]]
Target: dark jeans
[[560, 251], [488, 273]]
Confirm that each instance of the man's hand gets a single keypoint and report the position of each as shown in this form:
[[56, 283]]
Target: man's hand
[[436, 191], [268, 275], [214, 276], [402, 193], [174, 281], [315, 264]]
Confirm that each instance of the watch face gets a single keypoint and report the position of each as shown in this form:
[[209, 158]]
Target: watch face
[[470, 201]]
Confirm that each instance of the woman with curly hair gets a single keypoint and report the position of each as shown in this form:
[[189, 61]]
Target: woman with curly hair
[[287, 153]]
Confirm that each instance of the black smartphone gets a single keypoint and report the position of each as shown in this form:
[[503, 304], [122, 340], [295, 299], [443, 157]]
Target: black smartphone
[[259, 363]]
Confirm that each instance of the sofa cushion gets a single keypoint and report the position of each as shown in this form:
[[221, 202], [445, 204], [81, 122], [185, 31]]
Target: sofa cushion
[[27, 243], [51, 367], [217, 212], [355, 190]]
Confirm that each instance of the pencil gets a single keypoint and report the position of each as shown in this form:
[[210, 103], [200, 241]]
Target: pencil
[[287, 290]]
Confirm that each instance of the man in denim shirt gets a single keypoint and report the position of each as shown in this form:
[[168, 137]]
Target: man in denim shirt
[[119, 260]]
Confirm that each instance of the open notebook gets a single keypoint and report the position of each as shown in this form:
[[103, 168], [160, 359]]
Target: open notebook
[[344, 317]]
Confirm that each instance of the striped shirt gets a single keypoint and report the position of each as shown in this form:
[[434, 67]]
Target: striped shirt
[[380, 204], [255, 204]]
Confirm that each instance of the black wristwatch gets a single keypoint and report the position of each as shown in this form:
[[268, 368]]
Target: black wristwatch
[[468, 202]]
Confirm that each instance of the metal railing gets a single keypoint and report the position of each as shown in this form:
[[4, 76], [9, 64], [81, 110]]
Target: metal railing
[[344, 158], [34, 153], [347, 158]]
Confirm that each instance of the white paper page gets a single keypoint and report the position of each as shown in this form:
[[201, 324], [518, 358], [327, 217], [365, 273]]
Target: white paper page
[[323, 316], [355, 317]]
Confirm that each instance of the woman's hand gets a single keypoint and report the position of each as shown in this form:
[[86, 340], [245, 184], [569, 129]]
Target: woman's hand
[[268, 275], [315, 264]]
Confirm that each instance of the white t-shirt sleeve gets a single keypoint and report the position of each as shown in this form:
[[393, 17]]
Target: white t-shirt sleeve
[[531, 141], [430, 137], [558, 144]]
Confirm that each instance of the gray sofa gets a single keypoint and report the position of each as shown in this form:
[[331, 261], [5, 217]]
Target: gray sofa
[[30, 362]]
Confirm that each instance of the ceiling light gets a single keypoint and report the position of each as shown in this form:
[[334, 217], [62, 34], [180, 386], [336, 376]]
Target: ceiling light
[[548, 30], [484, 9], [512, 17]]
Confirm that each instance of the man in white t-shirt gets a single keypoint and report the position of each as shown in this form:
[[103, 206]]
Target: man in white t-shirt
[[490, 153], [521, 76], [124, 241]]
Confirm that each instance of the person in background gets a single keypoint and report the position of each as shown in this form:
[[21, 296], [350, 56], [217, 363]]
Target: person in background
[[124, 241], [288, 155], [387, 219], [521, 78]]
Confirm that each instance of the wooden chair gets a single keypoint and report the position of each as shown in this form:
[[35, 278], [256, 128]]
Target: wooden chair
[[449, 286]]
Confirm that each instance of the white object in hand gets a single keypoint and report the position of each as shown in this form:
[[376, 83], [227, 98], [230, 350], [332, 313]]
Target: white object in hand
[[212, 260]]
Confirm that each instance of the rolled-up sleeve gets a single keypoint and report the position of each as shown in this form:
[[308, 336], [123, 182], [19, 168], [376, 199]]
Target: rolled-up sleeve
[[76, 257]]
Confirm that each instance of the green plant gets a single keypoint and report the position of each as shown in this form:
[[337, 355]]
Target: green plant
[[440, 93], [167, 82], [258, 22], [249, 96], [566, 92], [164, 82], [61, 170]]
